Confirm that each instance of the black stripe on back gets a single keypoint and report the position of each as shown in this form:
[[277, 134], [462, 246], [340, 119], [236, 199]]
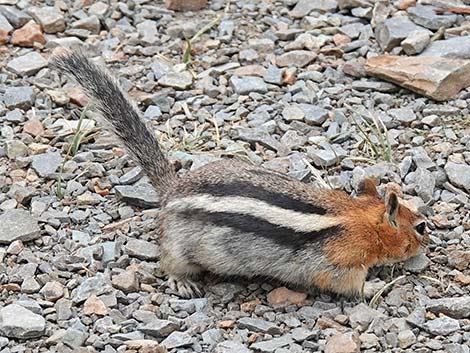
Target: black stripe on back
[[283, 236], [245, 189]]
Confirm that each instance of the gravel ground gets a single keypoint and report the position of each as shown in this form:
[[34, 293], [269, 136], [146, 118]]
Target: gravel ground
[[278, 83]]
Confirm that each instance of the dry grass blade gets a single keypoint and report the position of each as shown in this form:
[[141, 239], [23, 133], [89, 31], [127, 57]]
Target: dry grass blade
[[317, 176], [377, 295], [373, 131], [187, 51]]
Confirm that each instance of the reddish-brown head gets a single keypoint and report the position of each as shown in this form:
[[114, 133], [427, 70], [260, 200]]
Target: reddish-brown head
[[401, 231]]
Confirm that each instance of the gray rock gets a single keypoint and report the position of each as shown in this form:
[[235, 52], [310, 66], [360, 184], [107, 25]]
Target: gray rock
[[259, 325], [273, 75], [18, 224], [458, 308], [421, 158], [261, 136], [19, 97], [159, 328], [300, 334], [148, 32], [424, 184], [178, 80], [21, 323], [426, 16], [15, 17], [271, 345], [323, 158], [417, 263], [91, 24], [403, 115], [142, 195], [406, 338], [4, 24], [293, 112], [392, 31], [47, 163], [27, 64], [142, 249], [211, 337], [362, 315], [295, 58], [415, 42], [417, 318], [442, 326], [108, 251], [314, 115], [458, 174], [51, 20], [248, 84], [97, 285], [231, 347], [15, 149], [375, 86], [177, 339], [457, 48], [131, 176], [153, 112], [70, 337], [304, 7]]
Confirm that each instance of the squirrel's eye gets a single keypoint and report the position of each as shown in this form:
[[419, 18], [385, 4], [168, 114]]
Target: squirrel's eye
[[420, 228]]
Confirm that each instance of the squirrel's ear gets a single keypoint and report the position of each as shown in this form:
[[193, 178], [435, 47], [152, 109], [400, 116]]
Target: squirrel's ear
[[368, 187], [392, 205]]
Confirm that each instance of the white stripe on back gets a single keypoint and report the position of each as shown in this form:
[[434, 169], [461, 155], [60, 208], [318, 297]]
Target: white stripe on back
[[297, 221]]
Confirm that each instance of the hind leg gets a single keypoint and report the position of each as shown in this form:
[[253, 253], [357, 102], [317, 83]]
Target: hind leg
[[181, 275]]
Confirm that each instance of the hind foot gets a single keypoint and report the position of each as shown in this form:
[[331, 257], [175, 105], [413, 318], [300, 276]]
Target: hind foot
[[184, 287]]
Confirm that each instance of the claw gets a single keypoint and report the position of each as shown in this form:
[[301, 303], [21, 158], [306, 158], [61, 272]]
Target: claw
[[184, 287]]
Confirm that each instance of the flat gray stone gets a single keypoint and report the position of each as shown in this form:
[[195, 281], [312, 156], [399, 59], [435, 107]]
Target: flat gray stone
[[259, 325], [457, 48], [416, 42], [271, 345], [457, 307], [47, 163], [362, 315], [177, 339], [304, 7], [442, 326], [426, 16], [417, 263], [4, 24], [458, 174], [21, 97], [178, 80], [21, 323], [142, 249], [97, 285], [159, 328], [142, 195], [51, 20], [392, 31], [231, 347], [15, 16], [248, 84], [27, 64], [296, 58], [18, 224]]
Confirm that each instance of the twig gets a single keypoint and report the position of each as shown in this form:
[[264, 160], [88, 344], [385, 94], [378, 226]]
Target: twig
[[377, 295]]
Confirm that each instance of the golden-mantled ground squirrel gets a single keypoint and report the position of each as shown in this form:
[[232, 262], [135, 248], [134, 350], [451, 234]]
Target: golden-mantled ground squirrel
[[232, 218]]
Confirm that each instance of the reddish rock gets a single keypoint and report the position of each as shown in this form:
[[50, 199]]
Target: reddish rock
[[185, 5], [27, 35], [340, 39], [283, 295], [52, 291], [33, 127], [3, 36], [250, 306], [459, 259], [226, 324], [342, 343], [94, 305], [434, 77], [78, 97]]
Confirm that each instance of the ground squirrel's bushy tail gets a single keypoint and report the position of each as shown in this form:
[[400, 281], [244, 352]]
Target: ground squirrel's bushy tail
[[120, 113]]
